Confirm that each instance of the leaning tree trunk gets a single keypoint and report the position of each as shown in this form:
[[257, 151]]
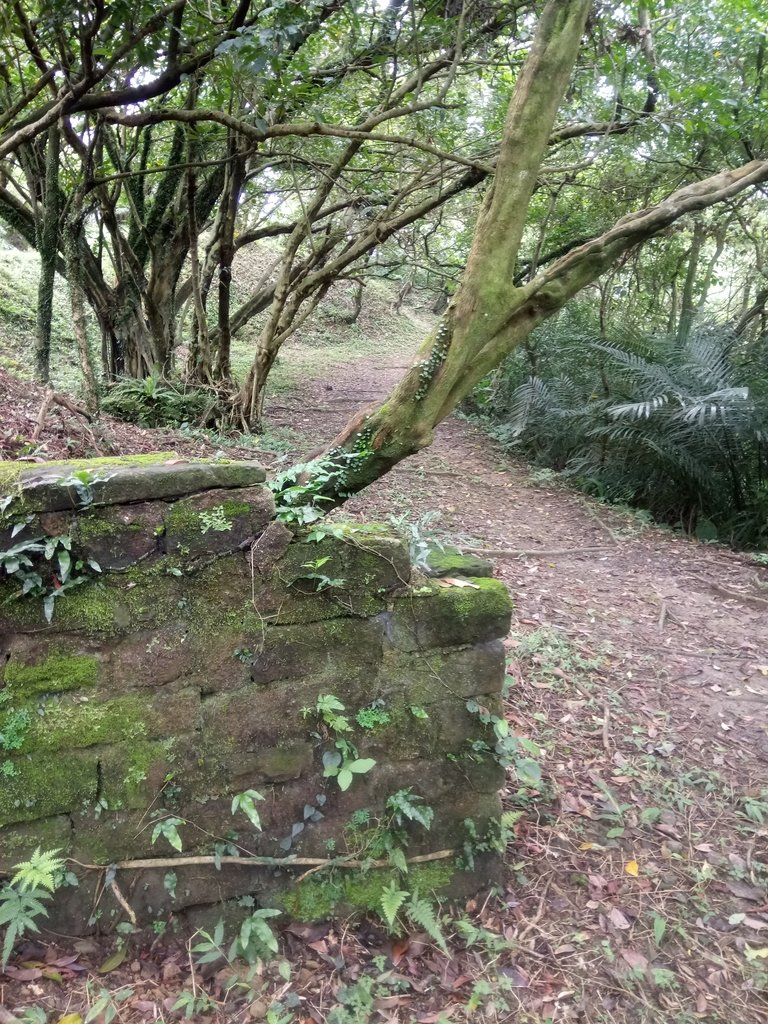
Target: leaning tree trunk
[[489, 316]]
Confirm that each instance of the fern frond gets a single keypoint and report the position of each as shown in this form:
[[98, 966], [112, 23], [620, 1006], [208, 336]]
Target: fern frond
[[41, 871], [532, 393], [639, 410], [719, 405], [391, 902], [422, 913], [18, 911]]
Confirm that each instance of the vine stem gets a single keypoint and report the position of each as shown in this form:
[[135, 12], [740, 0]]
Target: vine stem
[[274, 862]]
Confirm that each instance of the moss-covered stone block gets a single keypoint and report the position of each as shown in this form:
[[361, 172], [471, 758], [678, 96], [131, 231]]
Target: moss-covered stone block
[[448, 561], [50, 488], [422, 678], [217, 521], [347, 892], [103, 837], [248, 720], [120, 536], [282, 764], [434, 616], [17, 842], [326, 652], [45, 784], [363, 559], [448, 729], [63, 667], [155, 657], [73, 723], [12, 473], [134, 773]]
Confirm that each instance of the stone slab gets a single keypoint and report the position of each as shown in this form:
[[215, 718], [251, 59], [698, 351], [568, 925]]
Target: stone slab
[[45, 488]]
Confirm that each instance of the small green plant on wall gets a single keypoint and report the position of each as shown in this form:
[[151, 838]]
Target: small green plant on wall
[[214, 519], [44, 568], [344, 762]]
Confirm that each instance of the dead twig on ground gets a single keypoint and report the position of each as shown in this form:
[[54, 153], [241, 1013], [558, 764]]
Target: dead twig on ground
[[148, 863]]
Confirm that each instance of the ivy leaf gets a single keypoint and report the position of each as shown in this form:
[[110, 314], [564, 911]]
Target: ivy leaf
[[168, 828], [361, 765], [65, 564], [245, 802], [345, 778], [528, 772]]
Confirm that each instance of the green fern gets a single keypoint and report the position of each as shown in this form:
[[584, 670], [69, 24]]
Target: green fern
[[391, 902], [678, 429], [18, 911], [43, 870], [421, 912]]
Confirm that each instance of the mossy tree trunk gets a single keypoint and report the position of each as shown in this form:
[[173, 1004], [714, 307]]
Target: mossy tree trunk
[[488, 316]]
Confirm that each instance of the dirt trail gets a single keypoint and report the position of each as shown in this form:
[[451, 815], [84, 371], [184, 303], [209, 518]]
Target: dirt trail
[[687, 623]]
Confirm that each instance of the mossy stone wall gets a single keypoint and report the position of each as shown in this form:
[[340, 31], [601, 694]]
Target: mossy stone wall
[[180, 673]]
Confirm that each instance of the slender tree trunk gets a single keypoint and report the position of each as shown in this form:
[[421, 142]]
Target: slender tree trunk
[[48, 249], [79, 326], [71, 235], [226, 256], [403, 292], [357, 303], [706, 284], [687, 301], [199, 368]]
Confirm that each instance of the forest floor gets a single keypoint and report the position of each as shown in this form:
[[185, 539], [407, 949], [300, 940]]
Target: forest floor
[[637, 878]]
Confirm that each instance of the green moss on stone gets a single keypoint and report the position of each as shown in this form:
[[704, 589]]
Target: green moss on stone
[[95, 526], [132, 773], [491, 599], [234, 508], [451, 562], [10, 472], [55, 674], [280, 764], [184, 521], [92, 606], [47, 784], [449, 616], [319, 898], [17, 842], [69, 726], [365, 559]]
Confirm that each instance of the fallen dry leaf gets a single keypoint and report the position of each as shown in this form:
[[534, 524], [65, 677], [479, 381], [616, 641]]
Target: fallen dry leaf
[[634, 959], [746, 892], [618, 919]]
